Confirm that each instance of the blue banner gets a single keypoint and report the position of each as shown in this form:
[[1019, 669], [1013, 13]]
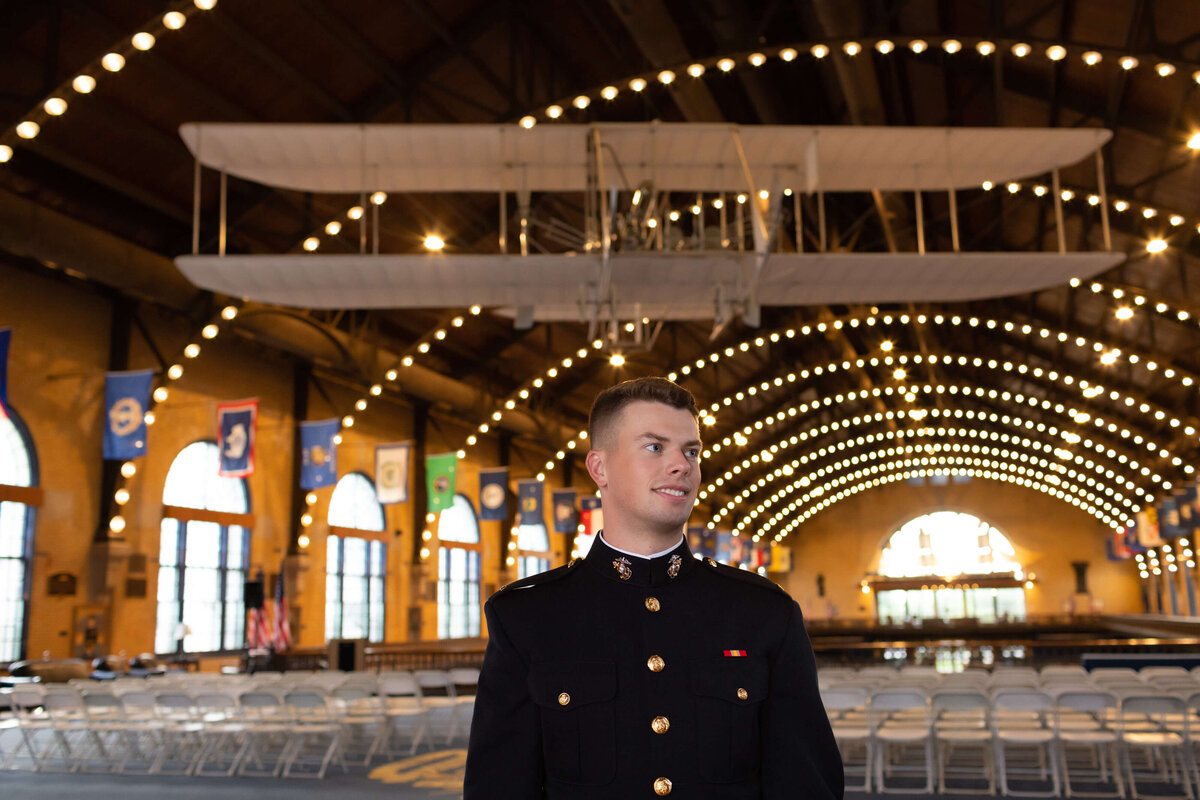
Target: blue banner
[[236, 424], [318, 455], [126, 400], [565, 519], [1168, 519], [530, 495], [5, 340], [1186, 499], [724, 546], [493, 494]]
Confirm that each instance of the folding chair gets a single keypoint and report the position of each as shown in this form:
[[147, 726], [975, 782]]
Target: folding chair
[[316, 735], [404, 707], [901, 729], [1163, 744], [221, 733], [438, 697], [361, 711], [1086, 739], [847, 710], [266, 739], [962, 725], [1021, 727], [180, 740]]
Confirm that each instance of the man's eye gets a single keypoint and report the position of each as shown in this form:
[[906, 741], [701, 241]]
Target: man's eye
[[654, 447], [693, 453]]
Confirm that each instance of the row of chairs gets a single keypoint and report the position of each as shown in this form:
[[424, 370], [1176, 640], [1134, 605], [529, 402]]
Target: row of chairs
[[1023, 741], [229, 726], [1051, 678]]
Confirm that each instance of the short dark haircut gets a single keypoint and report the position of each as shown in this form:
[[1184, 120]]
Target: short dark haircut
[[610, 402]]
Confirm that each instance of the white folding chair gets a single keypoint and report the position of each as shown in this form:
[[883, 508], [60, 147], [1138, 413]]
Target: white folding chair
[[901, 738], [404, 707], [1024, 740], [1087, 743], [69, 723], [963, 740], [847, 711], [364, 719], [180, 739], [316, 735], [221, 734], [438, 697], [466, 682], [266, 739], [1162, 746]]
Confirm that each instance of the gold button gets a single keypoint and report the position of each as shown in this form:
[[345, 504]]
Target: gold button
[[652, 604], [662, 787], [712, 562], [564, 698], [655, 663], [743, 694], [660, 724]]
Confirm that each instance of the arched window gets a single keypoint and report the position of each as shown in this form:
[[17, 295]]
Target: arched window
[[355, 561], [203, 549], [458, 571], [949, 565], [533, 549], [18, 477]]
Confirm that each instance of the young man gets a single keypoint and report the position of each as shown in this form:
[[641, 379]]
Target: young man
[[641, 671]]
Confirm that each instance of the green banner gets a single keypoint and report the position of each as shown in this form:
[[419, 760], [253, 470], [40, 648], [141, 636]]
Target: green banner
[[440, 471]]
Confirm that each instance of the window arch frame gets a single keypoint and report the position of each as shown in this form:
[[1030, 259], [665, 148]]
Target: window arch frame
[[374, 582], [231, 576], [983, 595], [460, 579], [30, 497]]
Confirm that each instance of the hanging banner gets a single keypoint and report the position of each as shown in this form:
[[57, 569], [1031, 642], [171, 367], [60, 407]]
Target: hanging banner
[[1168, 519], [724, 547], [1186, 499], [563, 503], [391, 472], [126, 400], [318, 453], [591, 515], [1147, 528], [493, 494], [530, 494], [441, 472], [237, 423], [5, 340]]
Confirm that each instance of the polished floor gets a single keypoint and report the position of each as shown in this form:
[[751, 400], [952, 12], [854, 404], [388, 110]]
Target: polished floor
[[423, 777]]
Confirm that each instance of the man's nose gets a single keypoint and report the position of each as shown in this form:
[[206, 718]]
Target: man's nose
[[680, 465]]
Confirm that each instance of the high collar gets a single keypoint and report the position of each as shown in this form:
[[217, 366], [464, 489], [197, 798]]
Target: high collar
[[665, 569]]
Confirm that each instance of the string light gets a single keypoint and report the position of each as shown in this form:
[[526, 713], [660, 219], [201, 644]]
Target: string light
[[83, 84], [918, 46]]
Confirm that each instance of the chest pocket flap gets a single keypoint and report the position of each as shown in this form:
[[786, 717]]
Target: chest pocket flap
[[569, 685], [742, 681]]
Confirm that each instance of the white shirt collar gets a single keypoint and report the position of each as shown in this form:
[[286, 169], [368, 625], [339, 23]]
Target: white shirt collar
[[639, 555]]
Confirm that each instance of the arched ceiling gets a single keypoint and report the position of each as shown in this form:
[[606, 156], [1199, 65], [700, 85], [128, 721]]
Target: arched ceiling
[[1086, 392]]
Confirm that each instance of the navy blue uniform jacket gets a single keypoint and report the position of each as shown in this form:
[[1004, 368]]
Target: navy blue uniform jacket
[[647, 678]]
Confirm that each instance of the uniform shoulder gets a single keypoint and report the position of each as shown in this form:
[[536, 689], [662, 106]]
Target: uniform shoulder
[[542, 578], [745, 576]]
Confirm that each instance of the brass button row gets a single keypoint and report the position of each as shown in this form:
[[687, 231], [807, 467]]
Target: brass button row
[[742, 694], [564, 698], [662, 787], [656, 663], [652, 604], [660, 725]]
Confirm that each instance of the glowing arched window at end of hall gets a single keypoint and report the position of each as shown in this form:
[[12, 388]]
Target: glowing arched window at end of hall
[[534, 538], [16, 466], [947, 543], [194, 482], [459, 523], [355, 504]]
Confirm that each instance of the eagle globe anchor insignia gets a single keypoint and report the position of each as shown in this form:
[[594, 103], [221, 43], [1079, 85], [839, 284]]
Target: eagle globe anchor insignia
[[622, 566], [673, 566]]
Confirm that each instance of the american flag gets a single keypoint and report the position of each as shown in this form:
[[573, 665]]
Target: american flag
[[282, 639], [258, 631]]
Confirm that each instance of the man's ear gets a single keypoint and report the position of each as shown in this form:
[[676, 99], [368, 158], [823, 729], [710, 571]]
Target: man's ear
[[597, 468]]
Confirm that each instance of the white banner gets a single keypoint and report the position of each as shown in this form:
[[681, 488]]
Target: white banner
[[391, 472]]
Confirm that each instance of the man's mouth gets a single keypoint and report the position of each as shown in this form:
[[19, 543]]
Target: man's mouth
[[672, 492]]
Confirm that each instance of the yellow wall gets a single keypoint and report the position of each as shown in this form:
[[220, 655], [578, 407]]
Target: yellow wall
[[56, 385], [845, 541]]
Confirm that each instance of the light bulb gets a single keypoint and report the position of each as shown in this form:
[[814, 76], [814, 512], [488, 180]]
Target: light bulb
[[666, 77], [28, 129], [116, 524], [229, 312], [121, 497], [985, 48], [142, 41], [6, 153], [333, 228], [55, 106], [885, 46], [581, 101], [210, 331], [161, 394], [1165, 70], [1020, 49], [918, 46], [852, 48], [616, 359], [787, 54], [695, 70], [527, 122], [952, 46], [434, 242], [1128, 62], [128, 469], [173, 20], [379, 198], [113, 62], [1056, 52], [554, 111], [726, 64], [609, 93], [312, 243], [175, 372], [757, 59], [637, 84], [83, 84], [205, 5], [1092, 58], [818, 51]]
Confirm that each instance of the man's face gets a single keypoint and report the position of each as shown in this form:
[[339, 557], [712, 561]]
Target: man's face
[[649, 469]]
